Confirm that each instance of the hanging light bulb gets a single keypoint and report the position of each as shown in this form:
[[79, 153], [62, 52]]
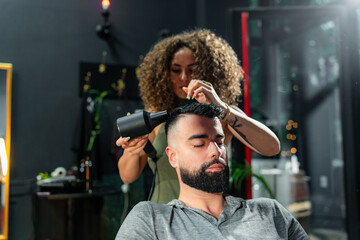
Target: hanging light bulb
[[103, 30], [105, 4]]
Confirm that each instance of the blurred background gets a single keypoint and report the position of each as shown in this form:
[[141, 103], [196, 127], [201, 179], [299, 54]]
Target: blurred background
[[74, 68]]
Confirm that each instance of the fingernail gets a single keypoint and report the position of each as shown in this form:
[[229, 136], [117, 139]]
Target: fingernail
[[128, 138], [188, 97], [184, 88]]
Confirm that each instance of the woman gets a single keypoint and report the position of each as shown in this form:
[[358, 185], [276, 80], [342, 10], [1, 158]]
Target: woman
[[191, 66]]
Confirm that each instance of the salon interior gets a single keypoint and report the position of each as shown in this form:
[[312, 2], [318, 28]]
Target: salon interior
[[68, 72]]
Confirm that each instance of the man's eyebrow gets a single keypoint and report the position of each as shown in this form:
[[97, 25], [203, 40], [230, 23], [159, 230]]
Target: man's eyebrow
[[196, 136]]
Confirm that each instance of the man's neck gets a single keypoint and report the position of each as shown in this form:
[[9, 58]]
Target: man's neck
[[211, 203]]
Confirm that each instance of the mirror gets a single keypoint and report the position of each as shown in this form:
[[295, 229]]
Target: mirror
[[5, 139]]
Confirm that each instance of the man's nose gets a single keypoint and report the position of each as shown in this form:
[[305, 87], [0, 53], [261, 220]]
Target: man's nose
[[214, 150]]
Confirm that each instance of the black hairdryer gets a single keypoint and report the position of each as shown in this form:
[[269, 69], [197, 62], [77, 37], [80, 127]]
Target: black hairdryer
[[140, 123]]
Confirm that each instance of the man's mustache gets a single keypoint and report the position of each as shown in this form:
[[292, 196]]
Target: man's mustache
[[214, 161]]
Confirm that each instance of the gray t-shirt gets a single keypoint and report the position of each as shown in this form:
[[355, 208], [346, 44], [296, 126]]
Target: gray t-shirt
[[260, 218]]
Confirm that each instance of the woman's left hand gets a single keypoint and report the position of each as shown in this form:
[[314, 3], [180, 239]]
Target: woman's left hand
[[203, 92]]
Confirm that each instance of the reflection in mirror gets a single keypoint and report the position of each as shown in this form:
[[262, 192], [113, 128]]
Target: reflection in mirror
[[5, 139]]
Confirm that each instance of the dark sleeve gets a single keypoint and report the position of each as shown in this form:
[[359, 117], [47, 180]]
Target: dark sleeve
[[138, 224]]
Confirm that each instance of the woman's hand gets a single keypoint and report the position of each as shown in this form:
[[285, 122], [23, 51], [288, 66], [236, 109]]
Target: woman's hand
[[249, 131], [203, 92], [132, 146]]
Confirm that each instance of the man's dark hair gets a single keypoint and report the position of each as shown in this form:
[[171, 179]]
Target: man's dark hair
[[196, 108]]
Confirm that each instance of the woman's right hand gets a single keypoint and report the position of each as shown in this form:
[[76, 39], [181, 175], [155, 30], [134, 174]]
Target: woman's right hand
[[132, 146]]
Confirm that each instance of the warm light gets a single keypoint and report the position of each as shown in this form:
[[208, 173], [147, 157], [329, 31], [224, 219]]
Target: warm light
[[105, 4], [3, 157], [291, 124], [293, 150]]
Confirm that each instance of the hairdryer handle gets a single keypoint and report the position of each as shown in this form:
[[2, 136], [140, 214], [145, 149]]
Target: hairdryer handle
[[150, 151]]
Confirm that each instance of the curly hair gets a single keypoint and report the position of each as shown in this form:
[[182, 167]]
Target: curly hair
[[215, 62]]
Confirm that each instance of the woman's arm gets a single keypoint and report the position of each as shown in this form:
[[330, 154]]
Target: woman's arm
[[249, 131], [252, 133], [132, 162]]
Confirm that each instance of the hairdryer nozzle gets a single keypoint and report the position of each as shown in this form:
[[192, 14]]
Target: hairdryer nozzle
[[157, 118], [140, 123]]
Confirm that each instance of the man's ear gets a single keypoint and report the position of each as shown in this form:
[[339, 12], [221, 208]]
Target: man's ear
[[170, 152]]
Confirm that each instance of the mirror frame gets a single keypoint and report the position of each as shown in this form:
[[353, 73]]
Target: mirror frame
[[8, 68]]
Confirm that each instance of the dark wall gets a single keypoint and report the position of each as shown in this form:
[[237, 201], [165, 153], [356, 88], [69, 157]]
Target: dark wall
[[45, 41], [215, 15]]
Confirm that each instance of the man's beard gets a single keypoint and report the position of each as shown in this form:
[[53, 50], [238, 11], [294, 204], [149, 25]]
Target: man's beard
[[211, 182]]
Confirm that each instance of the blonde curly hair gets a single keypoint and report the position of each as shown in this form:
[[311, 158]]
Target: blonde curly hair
[[215, 62]]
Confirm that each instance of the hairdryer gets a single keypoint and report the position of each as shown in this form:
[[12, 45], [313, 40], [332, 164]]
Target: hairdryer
[[140, 123]]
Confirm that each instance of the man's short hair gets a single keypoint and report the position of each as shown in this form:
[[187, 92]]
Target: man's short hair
[[196, 108]]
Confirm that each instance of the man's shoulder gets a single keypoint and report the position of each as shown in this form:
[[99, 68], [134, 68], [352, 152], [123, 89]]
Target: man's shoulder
[[273, 211], [148, 211], [262, 202], [269, 207], [266, 205], [149, 206]]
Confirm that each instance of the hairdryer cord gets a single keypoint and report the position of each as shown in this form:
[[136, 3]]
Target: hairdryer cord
[[153, 182], [151, 152]]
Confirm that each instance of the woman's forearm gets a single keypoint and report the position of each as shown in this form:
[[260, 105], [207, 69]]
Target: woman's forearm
[[130, 166], [251, 132]]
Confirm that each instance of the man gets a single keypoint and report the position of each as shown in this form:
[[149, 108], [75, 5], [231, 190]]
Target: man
[[196, 150]]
